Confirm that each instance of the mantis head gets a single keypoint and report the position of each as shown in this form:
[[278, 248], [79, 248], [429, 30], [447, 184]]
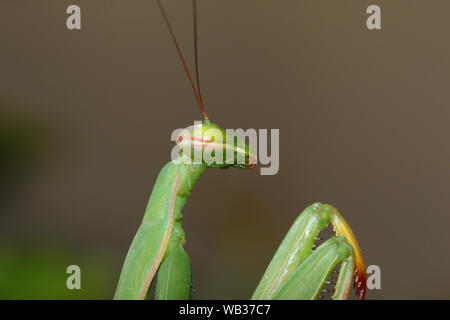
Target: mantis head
[[209, 145]]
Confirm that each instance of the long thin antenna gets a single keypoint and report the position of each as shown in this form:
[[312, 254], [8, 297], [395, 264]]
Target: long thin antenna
[[172, 34], [194, 9]]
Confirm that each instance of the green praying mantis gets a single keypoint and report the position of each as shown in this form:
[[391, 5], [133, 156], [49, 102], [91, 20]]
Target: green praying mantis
[[296, 270]]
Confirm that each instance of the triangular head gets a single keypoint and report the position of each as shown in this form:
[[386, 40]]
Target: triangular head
[[205, 143]]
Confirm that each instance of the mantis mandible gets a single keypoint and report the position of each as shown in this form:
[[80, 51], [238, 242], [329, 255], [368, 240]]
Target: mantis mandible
[[296, 270]]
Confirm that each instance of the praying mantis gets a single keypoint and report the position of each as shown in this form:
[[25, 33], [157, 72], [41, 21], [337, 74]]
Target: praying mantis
[[296, 270]]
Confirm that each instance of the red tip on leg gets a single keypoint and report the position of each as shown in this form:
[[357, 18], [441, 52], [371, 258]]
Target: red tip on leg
[[361, 282]]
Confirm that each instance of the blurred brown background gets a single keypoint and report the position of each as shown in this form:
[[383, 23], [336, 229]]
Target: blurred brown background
[[87, 116]]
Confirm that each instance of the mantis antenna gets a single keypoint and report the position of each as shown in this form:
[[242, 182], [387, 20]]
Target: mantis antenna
[[197, 93]]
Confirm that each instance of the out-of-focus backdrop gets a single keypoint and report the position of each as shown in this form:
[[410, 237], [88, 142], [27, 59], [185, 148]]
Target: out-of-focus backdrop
[[86, 118]]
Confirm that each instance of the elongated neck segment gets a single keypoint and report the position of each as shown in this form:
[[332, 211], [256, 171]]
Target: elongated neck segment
[[187, 174], [160, 230]]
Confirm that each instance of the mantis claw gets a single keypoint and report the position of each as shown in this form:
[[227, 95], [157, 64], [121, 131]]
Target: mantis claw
[[290, 273], [309, 278]]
